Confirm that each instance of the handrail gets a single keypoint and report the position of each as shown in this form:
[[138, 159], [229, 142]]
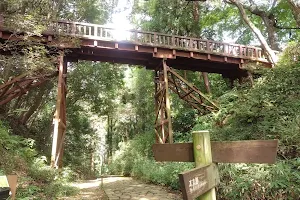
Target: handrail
[[100, 32]]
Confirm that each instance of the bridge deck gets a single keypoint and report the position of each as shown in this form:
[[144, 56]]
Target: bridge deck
[[99, 43]]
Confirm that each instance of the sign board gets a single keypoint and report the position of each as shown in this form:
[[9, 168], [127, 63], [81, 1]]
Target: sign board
[[197, 181], [9, 181], [3, 182], [248, 151], [4, 188]]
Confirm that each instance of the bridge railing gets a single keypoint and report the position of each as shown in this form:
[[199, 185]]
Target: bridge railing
[[98, 32]]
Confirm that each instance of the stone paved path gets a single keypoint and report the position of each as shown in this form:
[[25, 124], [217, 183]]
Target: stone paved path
[[127, 188]]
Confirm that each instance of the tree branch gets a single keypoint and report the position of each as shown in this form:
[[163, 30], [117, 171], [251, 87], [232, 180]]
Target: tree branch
[[295, 7], [256, 31]]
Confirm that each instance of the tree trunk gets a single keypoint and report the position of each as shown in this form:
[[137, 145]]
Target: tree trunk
[[109, 135], [271, 55], [196, 11], [295, 7], [271, 31], [206, 82], [36, 103], [269, 21]]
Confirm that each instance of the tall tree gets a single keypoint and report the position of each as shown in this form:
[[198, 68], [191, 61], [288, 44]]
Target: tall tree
[[256, 31], [295, 7]]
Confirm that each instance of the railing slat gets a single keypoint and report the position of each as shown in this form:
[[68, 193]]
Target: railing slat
[[159, 39]]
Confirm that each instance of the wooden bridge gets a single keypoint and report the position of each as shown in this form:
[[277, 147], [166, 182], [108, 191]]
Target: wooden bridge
[[100, 43], [156, 51]]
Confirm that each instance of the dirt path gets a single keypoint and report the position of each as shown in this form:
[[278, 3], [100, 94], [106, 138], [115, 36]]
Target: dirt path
[[88, 190], [122, 188]]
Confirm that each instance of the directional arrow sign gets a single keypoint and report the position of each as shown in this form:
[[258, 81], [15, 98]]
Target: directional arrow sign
[[197, 181], [248, 151]]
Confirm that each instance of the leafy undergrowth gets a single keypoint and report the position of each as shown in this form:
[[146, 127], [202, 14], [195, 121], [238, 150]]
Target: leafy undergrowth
[[135, 159], [238, 181], [36, 180], [259, 181], [269, 110]]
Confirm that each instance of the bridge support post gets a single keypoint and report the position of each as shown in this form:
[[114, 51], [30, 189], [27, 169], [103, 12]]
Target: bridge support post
[[59, 120], [163, 123]]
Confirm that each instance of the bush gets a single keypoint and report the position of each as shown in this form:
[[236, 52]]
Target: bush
[[135, 158], [261, 182], [13, 150], [37, 180], [44, 182], [57, 189], [159, 173]]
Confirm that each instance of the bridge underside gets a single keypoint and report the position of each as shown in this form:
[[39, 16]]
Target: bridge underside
[[150, 57]]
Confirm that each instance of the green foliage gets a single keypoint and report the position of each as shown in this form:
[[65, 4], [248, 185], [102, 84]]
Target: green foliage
[[15, 151], [40, 172], [142, 91], [290, 55], [264, 182], [168, 16], [124, 159], [267, 111], [93, 90], [37, 180], [30, 189], [58, 189], [92, 11], [159, 173], [95, 84], [135, 158], [43, 182]]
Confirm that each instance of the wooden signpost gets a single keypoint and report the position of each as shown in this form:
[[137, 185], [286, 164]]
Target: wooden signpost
[[198, 181], [201, 181]]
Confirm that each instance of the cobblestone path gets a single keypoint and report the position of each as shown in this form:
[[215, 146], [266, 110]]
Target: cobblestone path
[[128, 188]]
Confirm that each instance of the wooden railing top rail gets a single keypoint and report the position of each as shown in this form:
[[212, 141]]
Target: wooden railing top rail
[[149, 32], [100, 32]]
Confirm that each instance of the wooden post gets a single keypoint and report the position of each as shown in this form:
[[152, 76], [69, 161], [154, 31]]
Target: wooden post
[[168, 107], [59, 120], [163, 121], [12, 181], [202, 155], [162, 107]]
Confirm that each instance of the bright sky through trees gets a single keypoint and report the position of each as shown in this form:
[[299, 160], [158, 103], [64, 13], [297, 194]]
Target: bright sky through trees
[[120, 20]]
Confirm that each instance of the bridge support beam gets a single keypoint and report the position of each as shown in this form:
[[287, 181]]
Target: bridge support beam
[[59, 120], [163, 123]]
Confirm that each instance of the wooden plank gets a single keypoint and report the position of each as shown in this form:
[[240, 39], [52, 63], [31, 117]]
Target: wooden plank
[[12, 181], [248, 151], [167, 99], [177, 152], [252, 151], [198, 181]]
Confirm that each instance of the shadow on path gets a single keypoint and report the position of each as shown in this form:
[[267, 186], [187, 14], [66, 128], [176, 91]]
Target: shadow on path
[[128, 188], [89, 190]]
